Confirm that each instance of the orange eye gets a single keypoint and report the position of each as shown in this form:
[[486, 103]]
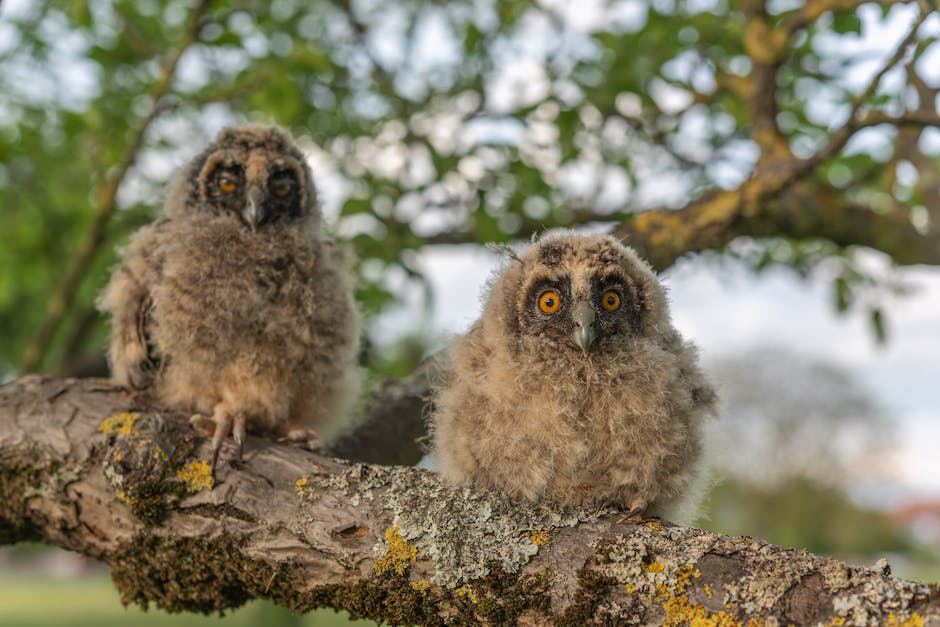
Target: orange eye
[[281, 189], [610, 300], [227, 184], [549, 302]]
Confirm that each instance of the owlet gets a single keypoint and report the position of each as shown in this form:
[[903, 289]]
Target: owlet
[[574, 387], [235, 305]]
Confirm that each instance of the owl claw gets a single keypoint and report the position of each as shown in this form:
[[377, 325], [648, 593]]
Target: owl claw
[[223, 427], [238, 434], [304, 438], [634, 507]]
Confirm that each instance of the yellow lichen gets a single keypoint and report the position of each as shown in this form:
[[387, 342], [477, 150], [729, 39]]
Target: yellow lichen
[[467, 591], [655, 567], [197, 476], [708, 590], [400, 553], [915, 620], [421, 585], [538, 537], [120, 424], [655, 525], [159, 454], [299, 486], [681, 611], [836, 621], [684, 573], [631, 588]]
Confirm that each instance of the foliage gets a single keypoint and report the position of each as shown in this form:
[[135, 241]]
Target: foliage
[[802, 513], [452, 121], [786, 416]]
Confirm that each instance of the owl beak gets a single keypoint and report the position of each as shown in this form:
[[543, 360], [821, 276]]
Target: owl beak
[[255, 212], [584, 334]]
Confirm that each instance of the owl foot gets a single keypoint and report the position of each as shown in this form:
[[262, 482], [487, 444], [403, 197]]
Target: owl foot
[[219, 426], [304, 438], [634, 507]]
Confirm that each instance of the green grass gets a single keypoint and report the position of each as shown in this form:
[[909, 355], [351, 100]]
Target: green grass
[[93, 602]]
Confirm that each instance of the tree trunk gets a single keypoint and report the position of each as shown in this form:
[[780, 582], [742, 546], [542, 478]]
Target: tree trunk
[[96, 469]]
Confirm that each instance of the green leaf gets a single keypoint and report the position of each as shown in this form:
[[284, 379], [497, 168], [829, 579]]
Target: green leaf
[[878, 325], [844, 22]]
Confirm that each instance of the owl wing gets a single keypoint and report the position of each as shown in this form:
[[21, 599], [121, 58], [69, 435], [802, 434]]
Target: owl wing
[[132, 354]]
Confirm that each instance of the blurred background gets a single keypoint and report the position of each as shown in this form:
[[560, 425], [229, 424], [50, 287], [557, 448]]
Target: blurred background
[[777, 162]]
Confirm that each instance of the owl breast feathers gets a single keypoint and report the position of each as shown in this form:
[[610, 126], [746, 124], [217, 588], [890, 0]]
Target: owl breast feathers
[[235, 306], [574, 387]]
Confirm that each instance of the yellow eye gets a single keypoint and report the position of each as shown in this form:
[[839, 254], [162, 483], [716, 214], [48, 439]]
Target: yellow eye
[[281, 190], [549, 301], [227, 184], [610, 300]]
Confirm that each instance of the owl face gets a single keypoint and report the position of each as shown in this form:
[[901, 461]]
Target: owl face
[[583, 293], [253, 173]]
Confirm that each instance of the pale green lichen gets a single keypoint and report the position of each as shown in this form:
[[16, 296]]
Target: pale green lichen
[[465, 542]]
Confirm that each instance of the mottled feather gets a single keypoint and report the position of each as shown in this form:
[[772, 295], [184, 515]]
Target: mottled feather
[[526, 410], [241, 313]]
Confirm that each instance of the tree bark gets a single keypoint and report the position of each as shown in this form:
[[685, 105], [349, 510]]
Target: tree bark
[[96, 469]]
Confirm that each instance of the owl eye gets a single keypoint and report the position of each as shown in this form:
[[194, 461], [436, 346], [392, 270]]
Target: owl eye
[[282, 188], [549, 302], [610, 300], [227, 184]]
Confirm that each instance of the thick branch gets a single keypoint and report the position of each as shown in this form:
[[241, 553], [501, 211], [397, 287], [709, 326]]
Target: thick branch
[[391, 544], [759, 209], [798, 213]]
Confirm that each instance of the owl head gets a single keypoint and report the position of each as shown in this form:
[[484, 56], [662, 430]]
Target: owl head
[[253, 173], [576, 293]]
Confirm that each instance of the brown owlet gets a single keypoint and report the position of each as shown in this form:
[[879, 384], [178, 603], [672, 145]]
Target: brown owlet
[[235, 306], [574, 387]]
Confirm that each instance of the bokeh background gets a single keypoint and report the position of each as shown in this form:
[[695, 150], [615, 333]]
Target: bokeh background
[[777, 161]]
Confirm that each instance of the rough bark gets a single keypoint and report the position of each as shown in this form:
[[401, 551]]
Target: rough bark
[[93, 468]]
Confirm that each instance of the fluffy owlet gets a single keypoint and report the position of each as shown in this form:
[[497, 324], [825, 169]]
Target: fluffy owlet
[[574, 387], [235, 306]]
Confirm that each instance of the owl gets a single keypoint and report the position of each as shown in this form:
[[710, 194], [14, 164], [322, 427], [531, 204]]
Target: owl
[[235, 306], [573, 387]]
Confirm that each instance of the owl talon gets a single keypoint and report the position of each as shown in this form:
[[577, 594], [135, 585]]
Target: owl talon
[[304, 438], [636, 507], [223, 427], [238, 434], [202, 424]]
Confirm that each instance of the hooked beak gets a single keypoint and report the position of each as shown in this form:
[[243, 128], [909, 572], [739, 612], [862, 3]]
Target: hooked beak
[[584, 334], [255, 212]]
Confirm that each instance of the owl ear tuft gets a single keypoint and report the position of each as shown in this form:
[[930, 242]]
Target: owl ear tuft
[[504, 250]]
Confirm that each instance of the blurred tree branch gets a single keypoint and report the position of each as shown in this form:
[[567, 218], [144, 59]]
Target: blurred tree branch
[[483, 142], [109, 182], [94, 469]]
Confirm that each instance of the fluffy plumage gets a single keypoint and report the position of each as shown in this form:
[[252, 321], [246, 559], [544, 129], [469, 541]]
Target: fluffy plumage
[[574, 387], [235, 306]]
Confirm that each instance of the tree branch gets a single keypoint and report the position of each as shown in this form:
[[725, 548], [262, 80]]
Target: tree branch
[[802, 212], [105, 200], [77, 470]]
